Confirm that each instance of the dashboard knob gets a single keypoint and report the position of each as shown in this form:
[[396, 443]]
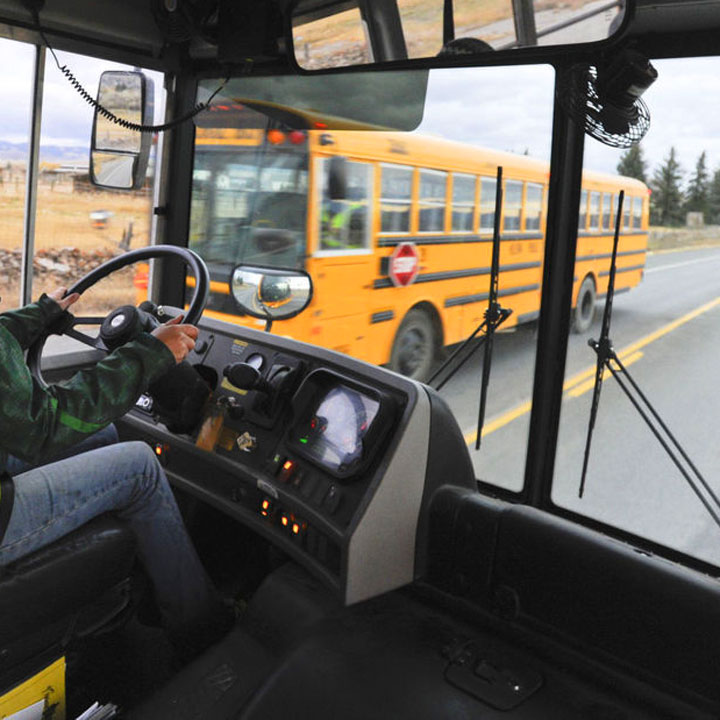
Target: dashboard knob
[[246, 377]]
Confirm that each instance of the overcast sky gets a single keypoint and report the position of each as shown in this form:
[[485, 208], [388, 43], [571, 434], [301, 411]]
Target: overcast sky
[[684, 107], [503, 108]]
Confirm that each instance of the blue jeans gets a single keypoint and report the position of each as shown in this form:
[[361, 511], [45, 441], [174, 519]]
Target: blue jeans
[[127, 480]]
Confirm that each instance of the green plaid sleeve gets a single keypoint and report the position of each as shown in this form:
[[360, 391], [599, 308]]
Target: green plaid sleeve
[[37, 422], [26, 324]]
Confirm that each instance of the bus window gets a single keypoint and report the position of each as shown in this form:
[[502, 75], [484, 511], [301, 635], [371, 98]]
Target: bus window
[[582, 217], [77, 225], [463, 203], [487, 203], [512, 206], [431, 202], [533, 206], [637, 213], [249, 201], [594, 219], [626, 211], [607, 222], [344, 224], [395, 199]]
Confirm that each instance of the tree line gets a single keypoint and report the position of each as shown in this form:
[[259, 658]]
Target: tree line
[[669, 202]]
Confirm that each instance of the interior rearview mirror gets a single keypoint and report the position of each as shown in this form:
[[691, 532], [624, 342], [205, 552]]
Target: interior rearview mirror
[[334, 33], [118, 154], [270, 293]]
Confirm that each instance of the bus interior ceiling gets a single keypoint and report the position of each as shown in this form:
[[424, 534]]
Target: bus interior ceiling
[[482, 604]]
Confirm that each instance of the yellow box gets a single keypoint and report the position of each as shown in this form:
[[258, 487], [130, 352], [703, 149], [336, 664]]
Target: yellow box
[[47, 686]]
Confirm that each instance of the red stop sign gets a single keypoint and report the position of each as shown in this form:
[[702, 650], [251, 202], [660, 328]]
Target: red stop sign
[[404, 265]]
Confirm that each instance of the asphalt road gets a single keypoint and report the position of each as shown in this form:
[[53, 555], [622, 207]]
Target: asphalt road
[[667, 331]]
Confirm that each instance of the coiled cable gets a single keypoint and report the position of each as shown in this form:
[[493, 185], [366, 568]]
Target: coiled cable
[[109, 115]]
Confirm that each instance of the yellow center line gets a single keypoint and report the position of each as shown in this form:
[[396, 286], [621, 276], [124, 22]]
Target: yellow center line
[[627, 355]]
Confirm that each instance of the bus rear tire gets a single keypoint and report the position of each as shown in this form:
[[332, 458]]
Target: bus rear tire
[[585, 306], [415, 347]]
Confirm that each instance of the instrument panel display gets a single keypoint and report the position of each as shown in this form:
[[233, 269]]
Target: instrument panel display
[[340, 423], [335, 431]]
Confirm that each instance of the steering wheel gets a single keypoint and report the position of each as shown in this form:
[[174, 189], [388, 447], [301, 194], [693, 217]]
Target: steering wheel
[[121, 325]]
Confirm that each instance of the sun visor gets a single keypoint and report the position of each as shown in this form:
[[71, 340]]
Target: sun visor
[[338, 101]]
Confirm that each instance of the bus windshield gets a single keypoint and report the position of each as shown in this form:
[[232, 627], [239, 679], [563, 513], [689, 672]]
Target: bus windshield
[[249, 202]]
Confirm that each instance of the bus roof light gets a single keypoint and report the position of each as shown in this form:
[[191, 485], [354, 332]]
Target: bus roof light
[[297, 137], [276, 137]]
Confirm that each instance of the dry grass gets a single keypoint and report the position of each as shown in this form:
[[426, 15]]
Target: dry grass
[[63, 220]]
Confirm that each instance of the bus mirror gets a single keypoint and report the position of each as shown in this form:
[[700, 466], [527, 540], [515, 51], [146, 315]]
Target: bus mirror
[[119, 155], [337, 178], [270, 293]]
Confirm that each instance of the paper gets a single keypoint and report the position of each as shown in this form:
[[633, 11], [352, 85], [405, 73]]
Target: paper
[[32, 712]]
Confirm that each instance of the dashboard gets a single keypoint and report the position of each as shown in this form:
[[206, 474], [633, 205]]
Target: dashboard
[[325, 456]]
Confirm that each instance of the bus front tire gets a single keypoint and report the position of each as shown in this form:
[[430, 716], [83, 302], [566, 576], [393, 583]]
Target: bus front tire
[[585, 306], [415, 348]]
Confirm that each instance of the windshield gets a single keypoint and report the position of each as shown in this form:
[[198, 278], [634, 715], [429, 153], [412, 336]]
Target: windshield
[[249, 203]]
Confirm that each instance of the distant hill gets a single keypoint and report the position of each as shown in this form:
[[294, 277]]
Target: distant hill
[[17, 152]]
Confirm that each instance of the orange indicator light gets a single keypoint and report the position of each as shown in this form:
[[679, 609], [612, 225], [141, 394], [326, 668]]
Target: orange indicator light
[[296, 529], [284, 520], [265, 504], [276, 137], [264, 513], [288, 465]]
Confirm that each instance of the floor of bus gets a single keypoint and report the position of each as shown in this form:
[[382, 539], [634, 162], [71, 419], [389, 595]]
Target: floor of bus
[[129, 663]]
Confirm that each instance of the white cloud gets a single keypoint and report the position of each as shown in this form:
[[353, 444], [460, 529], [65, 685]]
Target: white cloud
[[67, 117]]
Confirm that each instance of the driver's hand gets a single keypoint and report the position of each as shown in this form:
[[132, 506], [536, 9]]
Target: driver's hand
[[63, 302], [179, 338]]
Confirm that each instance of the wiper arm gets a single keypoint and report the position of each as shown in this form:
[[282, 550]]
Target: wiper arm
[[607, 358], [495, 315]]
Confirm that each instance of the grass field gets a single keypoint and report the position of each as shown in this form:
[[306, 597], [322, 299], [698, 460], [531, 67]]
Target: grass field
[[63, 221]]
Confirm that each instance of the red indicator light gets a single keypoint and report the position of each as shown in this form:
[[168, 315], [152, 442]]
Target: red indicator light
[[276, 137], [297, 137], [321, 125]]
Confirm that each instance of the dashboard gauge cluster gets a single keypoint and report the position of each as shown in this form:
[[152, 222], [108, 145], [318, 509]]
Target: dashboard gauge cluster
[[339, 423], [310, 448]]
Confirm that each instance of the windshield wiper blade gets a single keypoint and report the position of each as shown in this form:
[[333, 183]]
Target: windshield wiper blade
[[603, 347], [607, 359], [495, 315]]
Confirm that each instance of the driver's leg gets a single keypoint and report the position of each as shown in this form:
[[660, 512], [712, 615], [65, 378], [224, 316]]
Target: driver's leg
[[126, 479], [107, 436]]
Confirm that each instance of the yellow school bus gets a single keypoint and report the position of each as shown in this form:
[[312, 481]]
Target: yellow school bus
[[396, 233]]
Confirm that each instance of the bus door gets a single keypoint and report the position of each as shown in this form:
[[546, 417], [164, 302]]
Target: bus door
[[343, 261]]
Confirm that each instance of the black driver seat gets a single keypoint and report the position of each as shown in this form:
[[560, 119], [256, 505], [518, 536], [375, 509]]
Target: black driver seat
[[71, 588]]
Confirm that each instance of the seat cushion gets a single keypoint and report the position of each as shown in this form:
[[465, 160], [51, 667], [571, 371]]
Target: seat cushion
[[60, 579]]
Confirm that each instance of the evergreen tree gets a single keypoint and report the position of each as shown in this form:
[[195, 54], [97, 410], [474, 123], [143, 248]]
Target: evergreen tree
[[713, 216], [666, 199], [632, 163], [696, 198]]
